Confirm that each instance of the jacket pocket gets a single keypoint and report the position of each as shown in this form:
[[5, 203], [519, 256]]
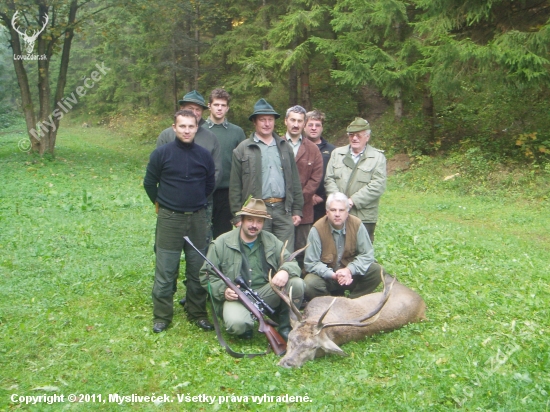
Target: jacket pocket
[[246, 165]]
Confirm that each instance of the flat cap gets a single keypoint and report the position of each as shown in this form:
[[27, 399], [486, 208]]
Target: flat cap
[[358, 125]]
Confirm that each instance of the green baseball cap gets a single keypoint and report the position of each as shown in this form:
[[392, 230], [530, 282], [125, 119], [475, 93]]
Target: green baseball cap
[[358, 125], [194, 97]]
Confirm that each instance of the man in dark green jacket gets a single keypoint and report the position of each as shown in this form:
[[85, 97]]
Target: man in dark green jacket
[[263, 167], [251, 252]]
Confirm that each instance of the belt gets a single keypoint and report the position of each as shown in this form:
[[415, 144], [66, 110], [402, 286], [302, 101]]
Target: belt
[[181, 213], [274, 199]]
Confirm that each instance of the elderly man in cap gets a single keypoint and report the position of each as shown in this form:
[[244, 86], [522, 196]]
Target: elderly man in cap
[[195, 102], [263, 167], [359, 171], [251, 252]]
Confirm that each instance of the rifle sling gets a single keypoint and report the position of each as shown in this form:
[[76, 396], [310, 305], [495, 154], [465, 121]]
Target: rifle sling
[[222, 341]]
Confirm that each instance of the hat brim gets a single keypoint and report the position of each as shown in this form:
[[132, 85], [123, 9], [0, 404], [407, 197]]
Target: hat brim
[[357, 129], [194, 102], [275, 114], [244, 213]]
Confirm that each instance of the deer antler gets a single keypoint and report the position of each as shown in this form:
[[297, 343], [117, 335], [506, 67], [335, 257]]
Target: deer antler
[[286, 299], [35, 32], [373, 315], [13, 20]]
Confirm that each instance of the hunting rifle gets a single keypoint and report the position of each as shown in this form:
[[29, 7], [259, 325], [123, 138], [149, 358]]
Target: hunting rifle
[[277, 343]]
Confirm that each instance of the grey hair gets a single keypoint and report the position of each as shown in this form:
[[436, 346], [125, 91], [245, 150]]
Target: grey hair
[[337, 197], [296, 109]]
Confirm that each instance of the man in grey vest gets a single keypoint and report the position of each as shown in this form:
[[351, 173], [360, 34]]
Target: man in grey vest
[[340, 256]]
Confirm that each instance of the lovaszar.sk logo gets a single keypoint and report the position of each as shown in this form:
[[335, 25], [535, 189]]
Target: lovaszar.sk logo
[[29, 40]]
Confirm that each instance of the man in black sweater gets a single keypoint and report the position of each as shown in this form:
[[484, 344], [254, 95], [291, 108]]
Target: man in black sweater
[[180, 176]]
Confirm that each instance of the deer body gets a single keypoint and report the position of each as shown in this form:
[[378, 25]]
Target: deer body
[[320, 332]]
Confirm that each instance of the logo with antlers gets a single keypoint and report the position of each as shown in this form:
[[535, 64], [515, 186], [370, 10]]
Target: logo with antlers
[[29, 40]]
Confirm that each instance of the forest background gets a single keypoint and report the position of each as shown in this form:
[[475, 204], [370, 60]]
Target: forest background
[[433, 77]]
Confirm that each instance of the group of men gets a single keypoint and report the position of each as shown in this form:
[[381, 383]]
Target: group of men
[[258, 194]]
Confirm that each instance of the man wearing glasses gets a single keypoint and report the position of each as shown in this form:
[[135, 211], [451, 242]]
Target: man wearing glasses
[[359, 171]]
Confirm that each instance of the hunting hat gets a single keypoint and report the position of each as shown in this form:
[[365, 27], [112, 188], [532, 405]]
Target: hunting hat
[[358, 125], [263, 107], [254, 207], [194, 97]]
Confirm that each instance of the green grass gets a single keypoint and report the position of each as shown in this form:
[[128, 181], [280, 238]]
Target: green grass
[[76, 271]]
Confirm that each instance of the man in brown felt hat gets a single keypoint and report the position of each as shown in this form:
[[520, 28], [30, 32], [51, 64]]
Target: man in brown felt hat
[[251, 252], [359, 171]]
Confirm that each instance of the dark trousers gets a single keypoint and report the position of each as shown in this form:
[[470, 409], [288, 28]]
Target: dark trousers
[[301, 233], [361, 285], [370, 230], [169, 243], [221, 214]]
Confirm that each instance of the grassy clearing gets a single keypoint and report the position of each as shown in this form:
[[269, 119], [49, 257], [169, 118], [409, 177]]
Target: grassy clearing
[[76, 269]]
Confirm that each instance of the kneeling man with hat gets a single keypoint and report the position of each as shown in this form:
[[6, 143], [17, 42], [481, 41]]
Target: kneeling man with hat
[[250, 252]]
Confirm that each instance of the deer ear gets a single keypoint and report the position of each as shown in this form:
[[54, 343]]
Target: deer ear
[[331, 347]]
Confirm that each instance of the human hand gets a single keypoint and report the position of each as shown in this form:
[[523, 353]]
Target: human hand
[[317, 199], [296, 220], [343, 276], [280, 279], [230, 294]]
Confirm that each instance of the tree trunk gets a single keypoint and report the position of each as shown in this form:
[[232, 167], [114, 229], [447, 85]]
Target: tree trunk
[[293, 81], [23, 80], [304, 83], [62, 77], [398, 107], [197, 47], [429, 112]]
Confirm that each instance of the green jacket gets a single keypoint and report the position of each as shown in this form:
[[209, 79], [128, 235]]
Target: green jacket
[[364, 183], [225, 254], [246, 175]]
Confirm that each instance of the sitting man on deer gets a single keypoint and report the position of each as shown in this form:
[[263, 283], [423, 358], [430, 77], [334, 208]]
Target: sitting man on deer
[[340, 255], [252, 253]]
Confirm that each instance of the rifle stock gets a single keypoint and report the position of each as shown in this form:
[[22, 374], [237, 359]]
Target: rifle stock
[[277, 343]]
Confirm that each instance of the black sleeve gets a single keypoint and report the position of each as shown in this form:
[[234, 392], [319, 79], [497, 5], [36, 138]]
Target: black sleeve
[[152, 176]]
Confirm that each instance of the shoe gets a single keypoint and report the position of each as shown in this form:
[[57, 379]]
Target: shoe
[[204, 324], [247, 335], [284, 331], [159, 327]]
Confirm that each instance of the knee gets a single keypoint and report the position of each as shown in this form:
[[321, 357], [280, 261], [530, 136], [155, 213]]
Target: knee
[[314, 286], [236, 320], [298, 287]]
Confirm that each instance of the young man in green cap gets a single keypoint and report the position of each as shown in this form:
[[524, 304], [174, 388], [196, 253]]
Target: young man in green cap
[[263, 167], [359, 171]]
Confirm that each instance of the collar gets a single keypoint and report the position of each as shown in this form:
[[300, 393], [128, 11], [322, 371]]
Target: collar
[[290, 139], [210, 123], [339, 231], [257, 140]]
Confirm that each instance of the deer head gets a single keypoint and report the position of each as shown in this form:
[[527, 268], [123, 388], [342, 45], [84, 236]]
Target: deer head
[[309, 338], [29, 40]]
